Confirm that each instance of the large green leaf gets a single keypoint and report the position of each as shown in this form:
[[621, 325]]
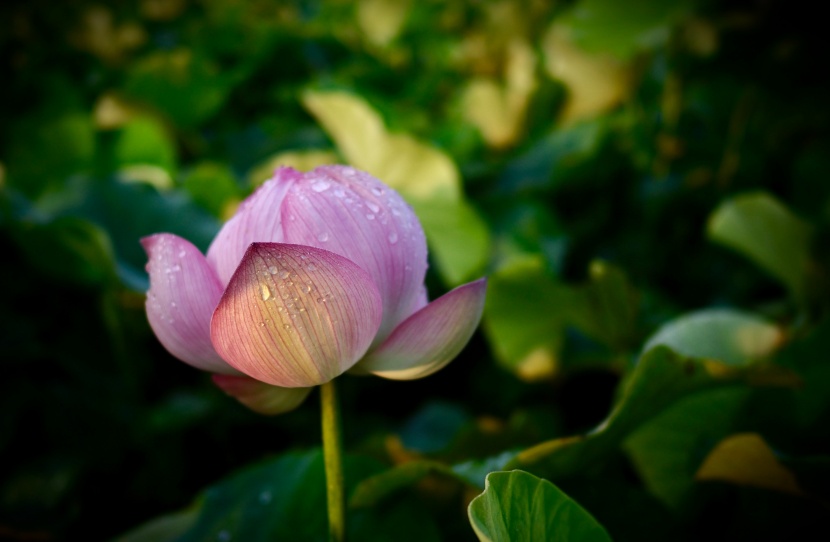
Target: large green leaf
[[144, 142], [517, 506], [764, 230], [284, 499], [660, 379]]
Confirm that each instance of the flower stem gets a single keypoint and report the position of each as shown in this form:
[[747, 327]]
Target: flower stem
[[333, 461]]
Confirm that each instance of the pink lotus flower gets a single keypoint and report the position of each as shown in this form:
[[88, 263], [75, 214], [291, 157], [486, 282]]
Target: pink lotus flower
[[316, 274]]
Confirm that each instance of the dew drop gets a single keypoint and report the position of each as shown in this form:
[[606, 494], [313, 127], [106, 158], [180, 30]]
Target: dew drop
[[181, 254], [281, 309], [323, 237], [173, 304], [283, 274], [393, 238], [286, 326], [311, 267], [273, 269], [306, 288], [266, 292], [289, 283], [340, 193], [370, 216], [320, 186], [377, 191], [374, 207]]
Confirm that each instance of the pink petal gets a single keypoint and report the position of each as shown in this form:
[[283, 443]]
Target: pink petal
[[295, 316], [183, 293], [258, 220], [259, 396], [429, 339], [351, 213]]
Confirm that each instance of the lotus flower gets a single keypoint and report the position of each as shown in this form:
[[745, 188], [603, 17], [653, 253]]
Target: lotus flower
[[316, 274]]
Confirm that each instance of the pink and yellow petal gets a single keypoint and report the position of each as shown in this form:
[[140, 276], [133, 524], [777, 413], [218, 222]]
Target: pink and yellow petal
[[351, 213], [295, 316], [259, 396], [183, 293], [429, 339]]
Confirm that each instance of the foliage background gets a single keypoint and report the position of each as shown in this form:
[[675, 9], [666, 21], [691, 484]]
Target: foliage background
[[611, 169]]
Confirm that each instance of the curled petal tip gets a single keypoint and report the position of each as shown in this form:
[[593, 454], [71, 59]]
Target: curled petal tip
[[429, 339]]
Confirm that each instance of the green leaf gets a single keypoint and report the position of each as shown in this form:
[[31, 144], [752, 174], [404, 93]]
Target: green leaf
[[517, 506], [212, 185], [164, 529], [143, 141], [525, 317], [765, 231], [668, 450], [611, 307], [731, 336], [376, 488], [69, 249], [660, 379], [622, 28], [284, 499], [184, 85]]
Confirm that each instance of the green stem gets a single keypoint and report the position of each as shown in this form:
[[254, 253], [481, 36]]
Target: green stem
[[333, 461]]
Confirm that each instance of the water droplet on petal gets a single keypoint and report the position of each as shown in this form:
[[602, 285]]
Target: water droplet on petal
[[311, 267], [377, 191], [266, 292], [323, 237], [273, 269], [393, 238], [320, 186], [181, 254], [286, 326], [283, 274], [370, 216], [374, 207]]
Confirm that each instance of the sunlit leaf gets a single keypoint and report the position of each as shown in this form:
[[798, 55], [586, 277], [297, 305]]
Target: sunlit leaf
[[143, 141], [213, 186], [164, 529], [382, 20], [731, 336], [764, 230], [517, 506], [426, 177], [746, 459]]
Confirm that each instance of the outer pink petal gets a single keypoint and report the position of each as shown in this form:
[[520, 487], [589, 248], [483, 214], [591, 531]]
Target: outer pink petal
[[258, 220], [351, 213], [259, 396], [183, 293], [295, 316], [429, 339]]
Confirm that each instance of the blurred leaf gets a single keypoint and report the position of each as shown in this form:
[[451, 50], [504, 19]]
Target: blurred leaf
[[498, 107], [611, 305], [561, 156], [728, 335], [764, 230], [426, 177], [660, 379], [433, 427], [382, 20], [284, 499], [164, 529], [143, 141], [596, 81], [668, 449], [183, 84], [525, 317], [517, 506], [746, 459], [46, 151], [69, 249], [213, 186], [623, 29], [375, 489]]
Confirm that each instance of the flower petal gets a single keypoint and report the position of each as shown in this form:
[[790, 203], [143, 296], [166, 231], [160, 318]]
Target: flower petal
[[295, 316], [429, 339], [183, 293], [259, 396], [258, 220], [351, 213]]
